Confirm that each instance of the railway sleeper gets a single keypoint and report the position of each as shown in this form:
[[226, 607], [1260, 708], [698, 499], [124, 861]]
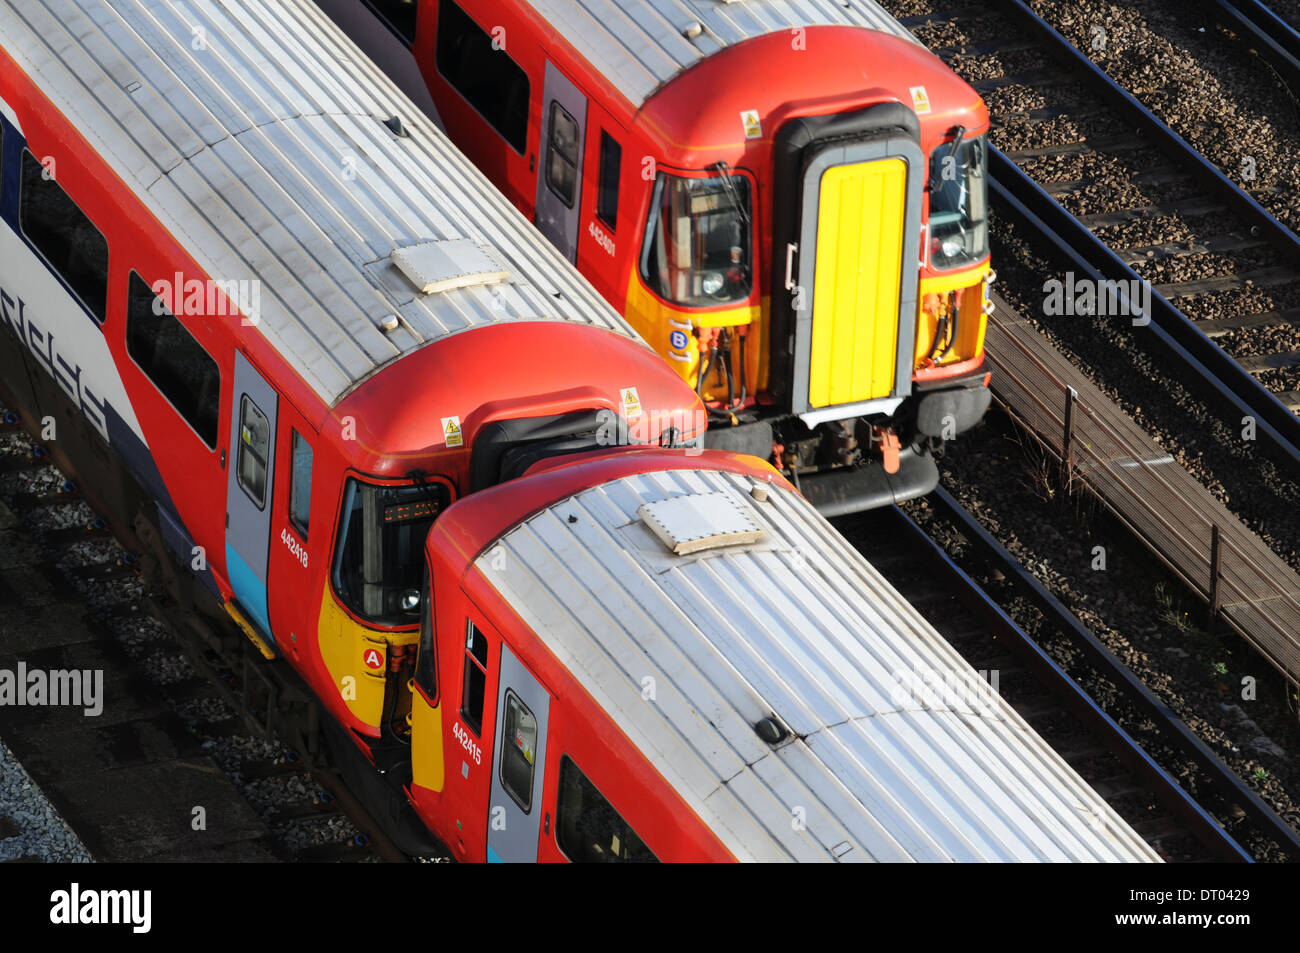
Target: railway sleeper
[[1217, 327]]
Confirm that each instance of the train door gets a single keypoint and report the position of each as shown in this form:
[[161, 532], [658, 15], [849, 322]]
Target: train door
[[248, 492], [859, 224], [519, 758], [559, 180]]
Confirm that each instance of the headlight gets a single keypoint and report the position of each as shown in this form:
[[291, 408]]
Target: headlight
[[952, 247], [712, 282]]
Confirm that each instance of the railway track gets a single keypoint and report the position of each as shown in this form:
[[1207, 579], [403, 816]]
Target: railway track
[[1091, 740], [1272, 35], [203, 704], [1131, 200]]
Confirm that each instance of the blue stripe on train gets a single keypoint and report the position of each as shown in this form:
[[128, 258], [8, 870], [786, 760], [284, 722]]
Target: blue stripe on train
[[249, 589]]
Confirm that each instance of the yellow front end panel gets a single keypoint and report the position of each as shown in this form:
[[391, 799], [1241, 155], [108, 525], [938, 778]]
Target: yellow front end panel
[[344, 647], [856, 293], [657, 322], [426, 744], [971, 321]]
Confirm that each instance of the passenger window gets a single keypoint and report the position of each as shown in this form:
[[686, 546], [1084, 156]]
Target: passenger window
[[254, 450], [611, 161], [562, 154], [471, 707], [173, 360], [587, 827], [518, 751], [300, 485], [63, 233], [485, 75], [400, 16]]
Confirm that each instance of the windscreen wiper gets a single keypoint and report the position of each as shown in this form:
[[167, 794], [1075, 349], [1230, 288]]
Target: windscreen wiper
[[732, 192], [958, 134]]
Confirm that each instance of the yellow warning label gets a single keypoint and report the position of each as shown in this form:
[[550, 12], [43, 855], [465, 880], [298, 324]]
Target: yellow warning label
[[753, 125], [920, 100], [631, 403], [451, 432]]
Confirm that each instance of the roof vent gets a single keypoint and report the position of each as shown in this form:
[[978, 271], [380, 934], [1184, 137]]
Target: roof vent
[[395, 126], [692, 29], [699, 521], [439, 266]]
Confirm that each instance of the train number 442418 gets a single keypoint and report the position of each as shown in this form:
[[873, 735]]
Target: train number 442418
[[295, 547]]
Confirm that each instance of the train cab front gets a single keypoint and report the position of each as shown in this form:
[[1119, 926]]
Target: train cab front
[[822, 280], [457, 417]]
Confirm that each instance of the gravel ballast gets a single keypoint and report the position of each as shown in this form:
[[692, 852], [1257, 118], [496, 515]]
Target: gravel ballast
[[42, 833]]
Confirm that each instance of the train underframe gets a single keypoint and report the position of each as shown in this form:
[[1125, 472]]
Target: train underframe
[[844, 466]]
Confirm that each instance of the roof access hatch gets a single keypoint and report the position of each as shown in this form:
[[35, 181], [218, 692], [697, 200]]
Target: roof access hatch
[[438, 266], [700, 521]]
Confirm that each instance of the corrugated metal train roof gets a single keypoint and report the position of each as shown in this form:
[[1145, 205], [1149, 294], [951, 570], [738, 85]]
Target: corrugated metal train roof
[[800, 625], [254, 131]]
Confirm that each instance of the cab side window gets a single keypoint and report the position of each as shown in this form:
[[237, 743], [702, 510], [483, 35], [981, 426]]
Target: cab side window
[[611, 161], [300, 485], [426, 666], [475, 684]]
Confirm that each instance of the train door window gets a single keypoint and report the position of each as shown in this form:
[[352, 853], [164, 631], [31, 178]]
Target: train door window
[[475, 686], [518, 751], [254, 450], [562, 154], [400, 16], [479, 69], [300, 485], [587, 827], [611, 160], [64, 234], [184, 373]]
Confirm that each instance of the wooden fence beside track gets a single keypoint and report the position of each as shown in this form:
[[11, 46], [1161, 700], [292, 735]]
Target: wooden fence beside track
[[1245, 585]]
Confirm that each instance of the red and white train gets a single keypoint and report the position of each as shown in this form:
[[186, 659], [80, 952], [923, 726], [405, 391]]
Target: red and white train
[[786, 199], [350, 404]]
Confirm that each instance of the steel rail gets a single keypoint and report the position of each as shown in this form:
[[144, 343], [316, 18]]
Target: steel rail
[[1225, 378], [1173, 729], [1179, 803], [1268, 35]]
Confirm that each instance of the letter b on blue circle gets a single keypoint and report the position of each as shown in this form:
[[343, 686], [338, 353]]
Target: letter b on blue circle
[[678, 340]]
